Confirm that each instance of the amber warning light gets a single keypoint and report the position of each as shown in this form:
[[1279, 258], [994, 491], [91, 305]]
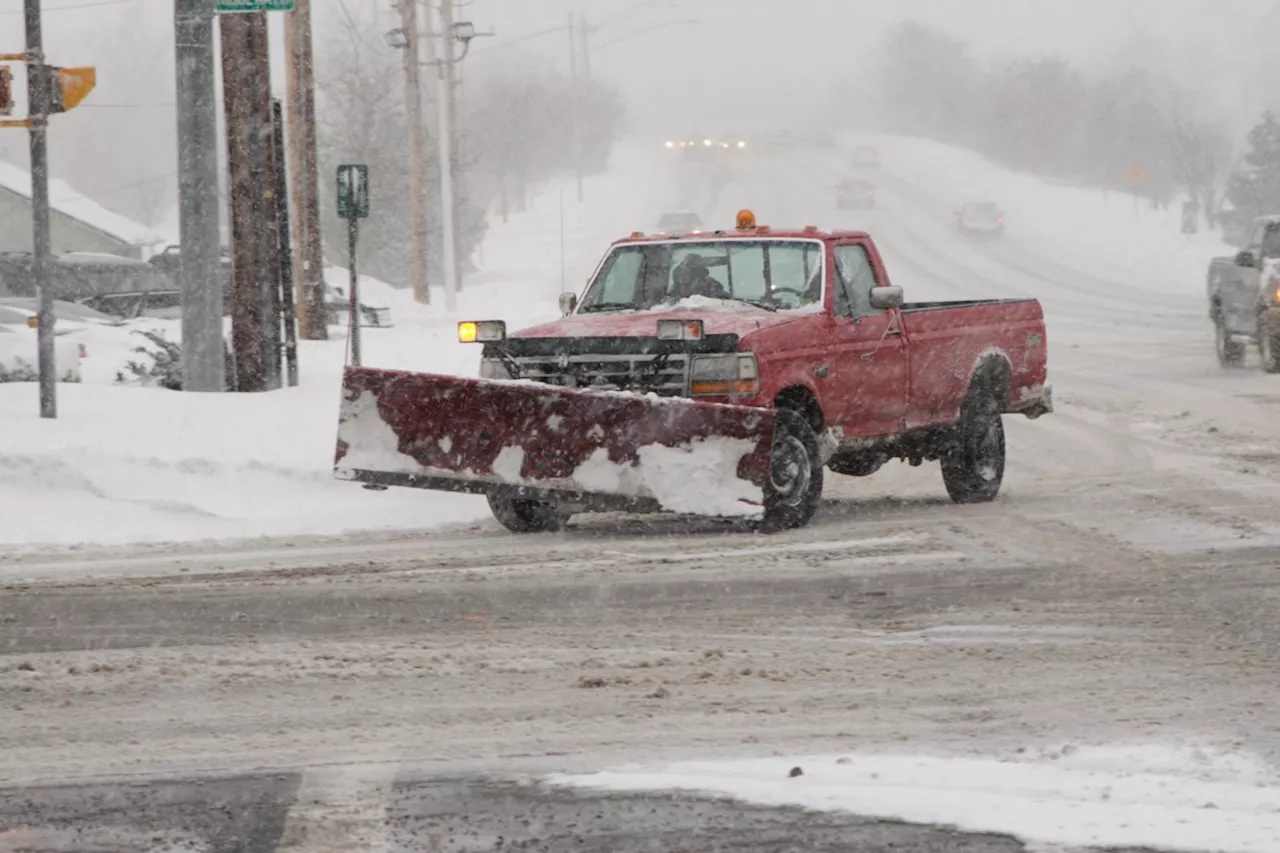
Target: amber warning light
[[746, 219], [482, 331]]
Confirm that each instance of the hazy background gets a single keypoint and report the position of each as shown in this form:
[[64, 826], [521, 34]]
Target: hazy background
[[744, 64]]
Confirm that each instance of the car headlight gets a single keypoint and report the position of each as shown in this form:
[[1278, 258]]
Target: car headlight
[[493, 368], [720, 375]]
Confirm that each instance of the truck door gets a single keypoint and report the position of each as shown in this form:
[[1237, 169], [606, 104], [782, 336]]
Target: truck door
[[866, 386]]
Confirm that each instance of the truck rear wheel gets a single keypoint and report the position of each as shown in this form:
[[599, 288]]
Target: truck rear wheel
[[522, 515], [1230, 351], [973, 464], [1269, 347], [794, 487]]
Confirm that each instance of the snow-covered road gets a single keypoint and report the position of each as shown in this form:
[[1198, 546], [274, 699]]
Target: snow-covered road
[[1121, 590]]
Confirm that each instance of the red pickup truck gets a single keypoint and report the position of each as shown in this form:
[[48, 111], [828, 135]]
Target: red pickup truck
[[796, 340]]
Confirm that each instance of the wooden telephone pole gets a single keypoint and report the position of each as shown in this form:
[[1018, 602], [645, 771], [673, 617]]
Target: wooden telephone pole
[[417, 165], [300, 118]]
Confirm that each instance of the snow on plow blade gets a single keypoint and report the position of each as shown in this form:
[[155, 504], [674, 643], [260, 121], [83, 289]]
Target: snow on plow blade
[[599, 450]]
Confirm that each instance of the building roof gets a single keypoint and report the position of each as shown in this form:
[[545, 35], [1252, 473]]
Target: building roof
[[66, 200]]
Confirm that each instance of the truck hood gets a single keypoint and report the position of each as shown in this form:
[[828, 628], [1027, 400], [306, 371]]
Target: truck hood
[[718, 317]]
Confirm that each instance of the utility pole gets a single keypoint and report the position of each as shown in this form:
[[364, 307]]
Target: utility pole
[[199, 262], [450, 69], [38, 93], [308, 267], [577, 119], [266, 239], [444, 132], [241, 66], [417, 152], [584, 33]]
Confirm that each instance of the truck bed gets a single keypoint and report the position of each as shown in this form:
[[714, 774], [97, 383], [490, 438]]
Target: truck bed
[[947, 342]]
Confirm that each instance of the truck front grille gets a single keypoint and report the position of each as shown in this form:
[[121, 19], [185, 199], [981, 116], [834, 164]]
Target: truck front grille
[[638, 373]]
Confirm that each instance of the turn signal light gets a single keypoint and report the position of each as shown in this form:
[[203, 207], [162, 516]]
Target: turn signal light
[[680, 330], [714, 388], [482, 332]]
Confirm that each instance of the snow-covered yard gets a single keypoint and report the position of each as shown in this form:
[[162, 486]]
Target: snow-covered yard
[[130, 464]]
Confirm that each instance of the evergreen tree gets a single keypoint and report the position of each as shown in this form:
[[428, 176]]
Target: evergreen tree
[[1255, 187]]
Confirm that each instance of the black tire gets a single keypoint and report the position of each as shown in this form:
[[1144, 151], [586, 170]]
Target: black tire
[[1230, 352], [973, 462], [1269, 347], [522, 515], [794, 488]]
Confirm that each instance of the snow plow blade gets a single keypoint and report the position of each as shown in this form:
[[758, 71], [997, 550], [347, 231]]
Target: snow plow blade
[[595, 450]]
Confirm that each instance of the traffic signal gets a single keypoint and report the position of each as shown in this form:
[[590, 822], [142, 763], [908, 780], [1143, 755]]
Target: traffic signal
[[6, 90], [70, 86]]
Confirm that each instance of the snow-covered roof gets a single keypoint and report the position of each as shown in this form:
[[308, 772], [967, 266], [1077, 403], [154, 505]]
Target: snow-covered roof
[[66, 200]]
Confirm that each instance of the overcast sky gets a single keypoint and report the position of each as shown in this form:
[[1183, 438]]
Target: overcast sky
[[743, 64]]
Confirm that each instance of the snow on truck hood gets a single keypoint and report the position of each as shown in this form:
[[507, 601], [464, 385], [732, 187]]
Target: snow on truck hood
[[719, 317]]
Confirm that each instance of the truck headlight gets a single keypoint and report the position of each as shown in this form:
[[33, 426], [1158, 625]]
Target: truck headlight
[[721, 375], [493, 368]]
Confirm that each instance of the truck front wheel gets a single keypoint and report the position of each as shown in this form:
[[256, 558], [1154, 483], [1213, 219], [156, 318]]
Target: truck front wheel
[[973, 463], [521, 515], [794, 487]]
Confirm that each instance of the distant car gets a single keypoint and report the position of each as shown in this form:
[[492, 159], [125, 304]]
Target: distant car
[[866, 157], [981, 220], [855, 194], [680, 222], [733, 141], [338, 309], [1244, 297], [19, 352]]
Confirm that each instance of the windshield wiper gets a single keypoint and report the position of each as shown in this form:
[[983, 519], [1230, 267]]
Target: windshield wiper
[[757, 303], [606, 306]]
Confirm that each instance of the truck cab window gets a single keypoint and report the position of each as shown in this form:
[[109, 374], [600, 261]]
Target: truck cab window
[[856, 278], [1270, 243], [619, 279]]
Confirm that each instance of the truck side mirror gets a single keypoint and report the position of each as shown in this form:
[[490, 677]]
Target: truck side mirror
[[568, 302], [883, 298], [1245, 258]]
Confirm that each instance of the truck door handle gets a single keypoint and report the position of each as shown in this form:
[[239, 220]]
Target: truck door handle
[[895, 332]]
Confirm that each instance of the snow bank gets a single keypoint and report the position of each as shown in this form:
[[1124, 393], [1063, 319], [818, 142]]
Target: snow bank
[[1167, 798]]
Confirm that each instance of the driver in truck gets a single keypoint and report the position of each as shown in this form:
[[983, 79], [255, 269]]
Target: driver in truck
[[691, 277]]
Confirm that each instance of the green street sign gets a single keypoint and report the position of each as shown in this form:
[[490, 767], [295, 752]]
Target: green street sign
[[353, 191], [1190, 217], [255, 5]]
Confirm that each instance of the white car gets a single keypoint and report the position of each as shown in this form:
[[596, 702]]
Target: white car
[[19, 351]]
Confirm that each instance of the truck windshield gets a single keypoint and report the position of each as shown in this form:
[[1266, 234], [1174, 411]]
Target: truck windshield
[[782, 275]]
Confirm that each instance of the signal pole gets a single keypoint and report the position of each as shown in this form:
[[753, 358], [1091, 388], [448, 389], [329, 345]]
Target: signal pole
[[450, 70], [38, 94], [300, 109], [199, 264]]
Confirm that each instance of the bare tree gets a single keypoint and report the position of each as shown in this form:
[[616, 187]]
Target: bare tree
[[1201, 157]]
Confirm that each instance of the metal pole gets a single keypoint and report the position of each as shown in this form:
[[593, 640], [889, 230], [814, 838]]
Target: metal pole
[[577, 121], [199, 258], [353, 286], [417, 155], [446, 197], [38, 83], [283, 252]]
